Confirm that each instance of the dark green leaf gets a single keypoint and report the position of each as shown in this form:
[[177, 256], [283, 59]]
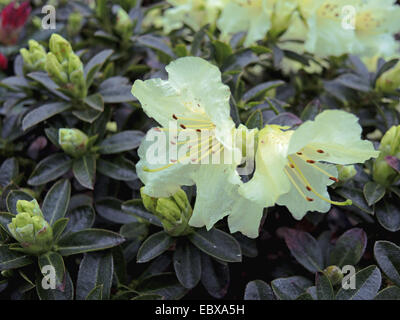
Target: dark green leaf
[[215, 276], [135, 207], [96, 293], [5, 219], [81, 217], [389, 293], [8, 171], [56, 202], [88, 240], [290, 288], [43, 113], [324, 287], [84, 170], [64, 292], [54, 260], [349, 248], [367, 284], [49, 169], [373, 192], [10, 259], [95, 65], [59, 227], [88, 114], [218, 244], [305, 249], [134, 230], [385, 67], [110, 208], [187, 265], [154, 245], [165, 285], [96, 269], [258, 290], [388, 215], [387, 255], [119, 169], [122, 141], [255, 120], [156, 43], [258, 92], [95, 101]]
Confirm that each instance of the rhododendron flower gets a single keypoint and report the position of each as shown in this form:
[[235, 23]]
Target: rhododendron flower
[[194, 13], [243, 15], [3, 62], [13, 18], [294, 167], [197, 102]]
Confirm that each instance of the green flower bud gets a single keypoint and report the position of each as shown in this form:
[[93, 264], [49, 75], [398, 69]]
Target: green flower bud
[[73, 141], [74, 23], [77, 77], [124, 24], [174, 212], [149, 203], [111, 126], [334, 274], [60, 47], [390, 146], [30, 228], [35, 57], [346, 172], [55, 70], [389, 81]]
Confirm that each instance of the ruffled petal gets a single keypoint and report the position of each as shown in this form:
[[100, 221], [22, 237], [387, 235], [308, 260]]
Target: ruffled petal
[[334, 136]]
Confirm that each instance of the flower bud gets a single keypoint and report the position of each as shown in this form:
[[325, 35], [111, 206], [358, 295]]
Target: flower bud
[[346, 172], [73, 141], [77, 76], [390, 146], [30, 228], [60, 47], [389, 81], [55, 70], [124, 24], [74, 23], [334, 274], [174, 212], [35, 57]]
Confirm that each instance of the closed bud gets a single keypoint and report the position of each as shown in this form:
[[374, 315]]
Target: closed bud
[[60, 47], [124, 24], [73, 141], [174, 212], [30, 228], [334, 274], [346, 173], [390, 146], [389, 81], [74, 23], [55, 70]]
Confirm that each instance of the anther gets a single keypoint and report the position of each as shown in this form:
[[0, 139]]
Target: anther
[[320, 151], [182, 126], [198, 130], [299, 153], [175, 117], [308, 188], [334, 179], [310, 161], [292, 165], [309, 199]]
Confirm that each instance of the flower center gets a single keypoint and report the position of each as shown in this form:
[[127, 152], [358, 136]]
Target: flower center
[[201, 145]]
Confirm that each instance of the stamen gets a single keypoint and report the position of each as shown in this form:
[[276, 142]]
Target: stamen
[[343, 203], [190, 119], [295, 184], [320, 151], [322, 171], [310, 161]]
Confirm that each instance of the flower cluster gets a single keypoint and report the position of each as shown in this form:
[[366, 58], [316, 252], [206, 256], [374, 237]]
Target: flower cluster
[[292, 167], [322, 27]]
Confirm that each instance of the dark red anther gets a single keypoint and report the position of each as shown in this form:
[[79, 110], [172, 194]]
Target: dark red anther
[[334, 179], [309, 199], [320, 151], [308, 188], [310, 161], [175, 117], [182, 126]]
